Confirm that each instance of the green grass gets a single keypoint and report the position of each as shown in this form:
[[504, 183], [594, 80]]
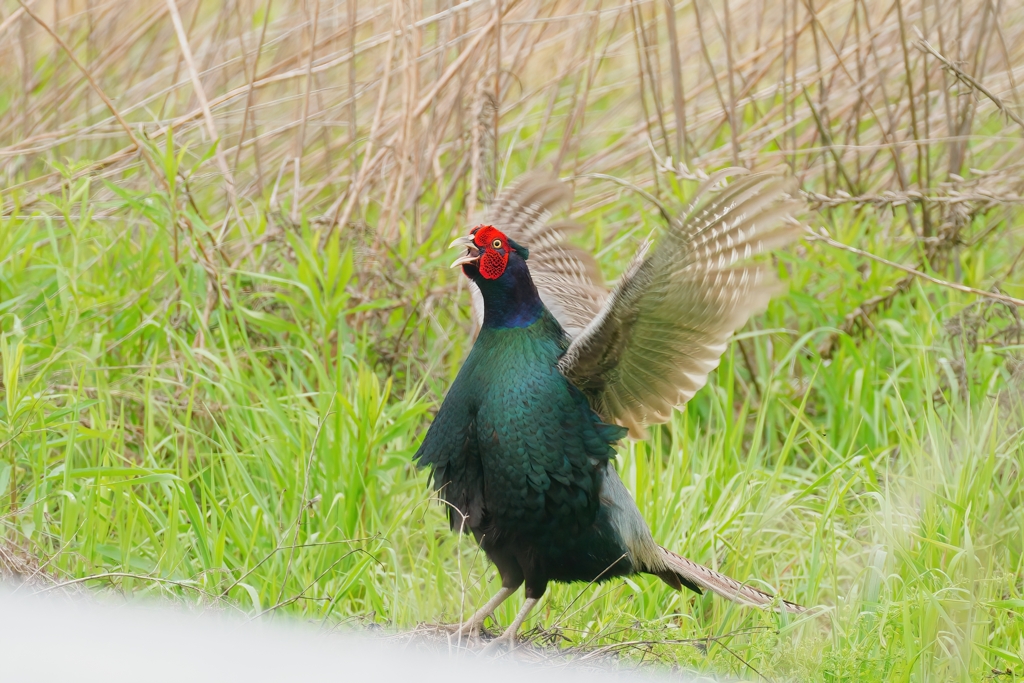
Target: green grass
[[266, 470]]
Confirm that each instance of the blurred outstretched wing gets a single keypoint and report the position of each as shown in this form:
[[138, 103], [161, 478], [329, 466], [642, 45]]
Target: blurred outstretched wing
[[567, 278], [666, 325]]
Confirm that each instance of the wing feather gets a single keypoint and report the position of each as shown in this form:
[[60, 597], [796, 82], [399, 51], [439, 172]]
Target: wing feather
[[650, 347]]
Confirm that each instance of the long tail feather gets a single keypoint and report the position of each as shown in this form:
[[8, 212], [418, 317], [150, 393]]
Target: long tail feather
[[695, 576]]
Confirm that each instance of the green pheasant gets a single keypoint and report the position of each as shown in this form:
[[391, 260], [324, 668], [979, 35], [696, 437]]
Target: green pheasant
[[522, 448]]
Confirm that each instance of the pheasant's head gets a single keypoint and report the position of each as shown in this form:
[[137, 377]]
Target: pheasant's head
[[487, 252], [497, 265]]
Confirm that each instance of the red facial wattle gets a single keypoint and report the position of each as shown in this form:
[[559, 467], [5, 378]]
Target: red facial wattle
[[494, 251]]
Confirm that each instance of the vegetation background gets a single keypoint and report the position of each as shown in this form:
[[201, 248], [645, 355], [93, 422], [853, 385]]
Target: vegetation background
[[226, 316]]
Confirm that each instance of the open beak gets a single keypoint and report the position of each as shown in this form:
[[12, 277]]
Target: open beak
[[472, 254]]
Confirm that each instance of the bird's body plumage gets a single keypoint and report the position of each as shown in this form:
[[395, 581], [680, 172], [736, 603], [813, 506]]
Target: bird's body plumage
[[521, 457], [522, 449]]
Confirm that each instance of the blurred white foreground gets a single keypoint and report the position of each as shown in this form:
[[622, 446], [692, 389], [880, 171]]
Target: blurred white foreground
[[57, 638]]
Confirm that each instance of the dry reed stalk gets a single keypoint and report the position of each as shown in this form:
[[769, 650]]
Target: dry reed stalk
[[578, 105], [251, 78], [678, 93], [642, 79], [382, 95], [301, 139], [497, 83], [204, 105]]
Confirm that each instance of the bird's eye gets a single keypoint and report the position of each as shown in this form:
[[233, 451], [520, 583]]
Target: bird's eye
[[496, 244]]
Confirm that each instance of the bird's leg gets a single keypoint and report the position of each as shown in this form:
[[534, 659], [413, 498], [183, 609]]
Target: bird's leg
[[509, 636], [471, 626]]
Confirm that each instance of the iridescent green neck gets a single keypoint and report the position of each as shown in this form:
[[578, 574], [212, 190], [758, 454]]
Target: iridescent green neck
[[512, 299]]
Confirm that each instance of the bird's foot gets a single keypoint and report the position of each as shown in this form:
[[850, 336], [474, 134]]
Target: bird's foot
[[466, 632], [506, 641], [508, 638], [470, 629]]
